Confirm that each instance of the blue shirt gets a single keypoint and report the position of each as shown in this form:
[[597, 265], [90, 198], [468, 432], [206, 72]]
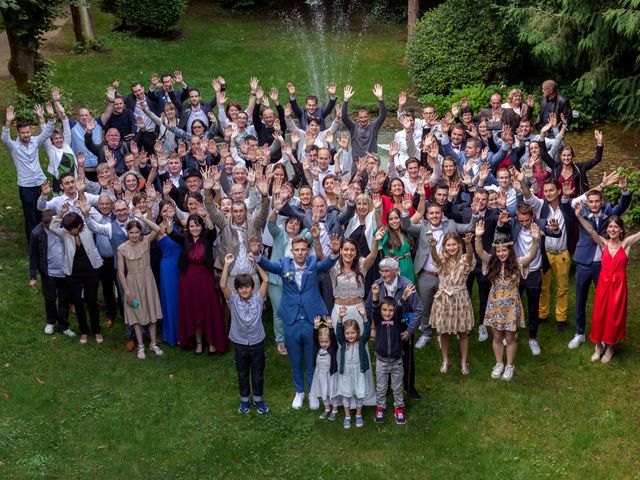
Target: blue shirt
[[246, 319]]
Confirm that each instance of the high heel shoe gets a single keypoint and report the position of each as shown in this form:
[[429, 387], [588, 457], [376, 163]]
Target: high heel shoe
[[597, 354]]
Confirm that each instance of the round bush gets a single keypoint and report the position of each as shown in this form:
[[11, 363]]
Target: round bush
[[155, 17], [455, 44]]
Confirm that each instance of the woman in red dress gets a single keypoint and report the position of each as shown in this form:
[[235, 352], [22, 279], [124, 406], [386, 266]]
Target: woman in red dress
[[198, 304], [608, 324]]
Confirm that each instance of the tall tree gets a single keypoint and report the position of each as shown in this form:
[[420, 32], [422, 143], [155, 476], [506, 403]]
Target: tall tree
[[413, 11], [26, 21], [83, 28], [594, 44]]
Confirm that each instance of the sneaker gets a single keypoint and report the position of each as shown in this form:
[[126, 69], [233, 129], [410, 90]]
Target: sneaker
[[69, 333], [508, 372], [156, 349], [346, 423], [379, 414], [244, 407], [325, 414], [83, 339], [99, 338], [297, 401], [359, 421], [576, 341], [333, 415], [399, 414], [561, 326], [49, 328], [422, 341], [498, 368], [261, 407], [141, 354], [483, 335], [314, 403], [534, 346]]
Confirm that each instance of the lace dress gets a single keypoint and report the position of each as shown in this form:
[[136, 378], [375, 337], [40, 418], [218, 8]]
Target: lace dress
[[452, 311]]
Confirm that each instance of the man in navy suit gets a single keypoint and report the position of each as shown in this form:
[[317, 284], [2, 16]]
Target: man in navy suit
[[301, 303], [520, 230], [587, 255]]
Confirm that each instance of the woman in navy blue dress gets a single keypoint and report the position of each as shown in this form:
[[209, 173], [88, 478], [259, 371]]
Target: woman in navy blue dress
[[169, 273]]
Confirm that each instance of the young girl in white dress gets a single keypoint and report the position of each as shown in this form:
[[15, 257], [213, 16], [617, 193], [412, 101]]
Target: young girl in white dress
[[325, 375], [354, 362]]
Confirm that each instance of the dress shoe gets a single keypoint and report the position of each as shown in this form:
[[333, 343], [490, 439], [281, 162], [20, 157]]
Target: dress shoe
[[131, 344]]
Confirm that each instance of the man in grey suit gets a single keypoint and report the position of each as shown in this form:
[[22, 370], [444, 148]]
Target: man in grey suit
[[426, 272]]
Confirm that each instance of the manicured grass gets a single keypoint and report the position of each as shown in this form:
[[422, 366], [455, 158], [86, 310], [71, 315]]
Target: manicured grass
[[71, 411], [213, 43]]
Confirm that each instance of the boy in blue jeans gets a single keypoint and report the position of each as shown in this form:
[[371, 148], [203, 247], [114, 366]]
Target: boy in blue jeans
[[247, 333]]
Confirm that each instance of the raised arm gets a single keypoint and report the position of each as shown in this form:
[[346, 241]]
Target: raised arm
[[588, 227], [479, 247]]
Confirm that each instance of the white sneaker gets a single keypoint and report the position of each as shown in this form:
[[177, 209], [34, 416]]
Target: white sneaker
[[576, 341], [297, 401], [141, 354], [498, 368], [49, 329], [483, 335], [69, 333], [314, 403], [534, 346], [508, 372], [422, 341]]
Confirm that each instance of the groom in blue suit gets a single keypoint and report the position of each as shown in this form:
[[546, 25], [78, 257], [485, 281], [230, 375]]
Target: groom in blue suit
[[301, 303]]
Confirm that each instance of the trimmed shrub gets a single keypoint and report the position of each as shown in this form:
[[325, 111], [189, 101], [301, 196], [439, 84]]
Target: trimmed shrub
[[152, 17], [455, 44]]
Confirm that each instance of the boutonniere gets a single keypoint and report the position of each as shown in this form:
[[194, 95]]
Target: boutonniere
[[288, 276], [591, 216], [429, 232]]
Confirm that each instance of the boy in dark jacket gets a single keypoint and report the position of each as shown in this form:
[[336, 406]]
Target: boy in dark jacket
[[387, 317]]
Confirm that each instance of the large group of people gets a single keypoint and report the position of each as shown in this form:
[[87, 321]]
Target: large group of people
[[189, 215]]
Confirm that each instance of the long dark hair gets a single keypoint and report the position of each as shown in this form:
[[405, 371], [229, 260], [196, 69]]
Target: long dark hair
[[394, 238], [618, 221], [206, 238], [355, 266], [494, 269]]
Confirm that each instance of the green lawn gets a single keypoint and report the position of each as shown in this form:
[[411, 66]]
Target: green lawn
[[71, 411]]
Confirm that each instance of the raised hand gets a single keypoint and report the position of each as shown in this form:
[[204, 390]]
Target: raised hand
[[334, 242], [480, 228], [455, 110], [622, 182], [598, 135], [177, 76], [45, 189], [377, 201], [432, 241], [167, 186], [253, 84], [348, 92], [331, 89], [578, 209], [255, 245], [408, 291], [553, 225], [468, 237], [273, 95], [377, 91], [317, 322], [406, 203], [568, 190], [343, 140], [535, 231], [292, 89], [39, 111], [380, 233], [55, 94], [503, 218], [49, 109], [342, 312]]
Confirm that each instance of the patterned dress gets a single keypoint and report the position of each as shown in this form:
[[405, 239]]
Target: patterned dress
[[452, 311], [504, 308]]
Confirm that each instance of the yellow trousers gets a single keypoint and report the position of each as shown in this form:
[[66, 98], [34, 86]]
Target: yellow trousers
[[560, 266]]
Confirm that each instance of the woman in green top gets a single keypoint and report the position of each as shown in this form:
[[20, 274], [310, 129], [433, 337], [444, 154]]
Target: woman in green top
[[397, 244]]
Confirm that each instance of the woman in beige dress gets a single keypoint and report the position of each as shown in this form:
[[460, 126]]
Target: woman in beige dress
[[142, 304], [452, 312]]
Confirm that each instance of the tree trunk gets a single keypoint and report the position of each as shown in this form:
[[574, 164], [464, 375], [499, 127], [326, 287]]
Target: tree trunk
[[22, 64], [413, 9], [83, 28]]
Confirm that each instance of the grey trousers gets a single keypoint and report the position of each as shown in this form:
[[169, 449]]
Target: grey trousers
[[384, 369], [427, 288]]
